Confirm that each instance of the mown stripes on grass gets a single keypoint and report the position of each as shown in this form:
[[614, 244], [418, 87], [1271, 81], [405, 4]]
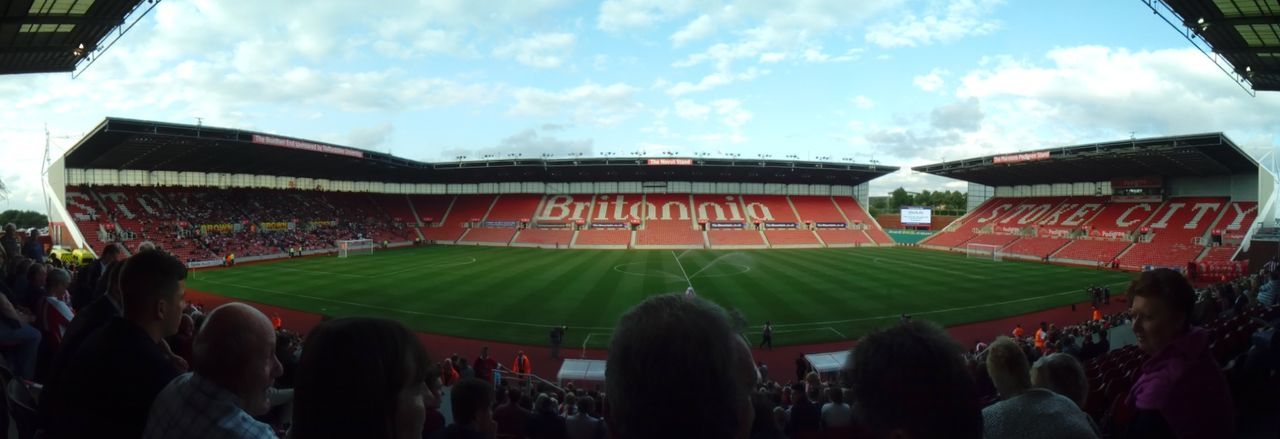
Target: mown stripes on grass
[[516, 294]]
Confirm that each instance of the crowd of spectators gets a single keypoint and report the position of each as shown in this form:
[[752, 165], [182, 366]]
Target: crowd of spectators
[[119, 352], [210, 224]]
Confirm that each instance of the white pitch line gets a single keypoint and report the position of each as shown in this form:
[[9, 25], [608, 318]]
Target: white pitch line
[[442, 265], [302, 270], [939, 311], [686, 274], [841, 334], [404, 311]]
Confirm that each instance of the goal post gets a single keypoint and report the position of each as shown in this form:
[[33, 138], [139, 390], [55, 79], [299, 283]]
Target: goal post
[[347, 247], [982, 251]]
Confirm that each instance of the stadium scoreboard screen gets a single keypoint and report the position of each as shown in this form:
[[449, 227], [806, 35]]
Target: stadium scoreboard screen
[[914, 217]]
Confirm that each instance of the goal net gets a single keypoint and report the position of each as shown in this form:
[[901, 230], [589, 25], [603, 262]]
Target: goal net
[[349, 247], [982, 251]]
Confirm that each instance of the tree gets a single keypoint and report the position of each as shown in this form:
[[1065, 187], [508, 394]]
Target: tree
[[24, 219], [898, 198]]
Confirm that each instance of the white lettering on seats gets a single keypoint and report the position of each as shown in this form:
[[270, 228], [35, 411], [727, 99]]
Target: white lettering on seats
[[996, 212], [1086, 209], [734, 213], [1036, 213], [755, 210], [117, 198], [1240, 215], [1054, 217], [88, 211], [1164, 222], [702, 211], [683, 212], [557, 207], [1201, 209], [1121, 220]]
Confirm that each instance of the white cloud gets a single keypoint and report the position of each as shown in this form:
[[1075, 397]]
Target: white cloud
[[700, 28], [713, 80], [932, 81], [622, 15], [691, 110], [863, 102], [531, 142], [587, 103], [371, 137], [941, 22], [731, 113], [544, 50]]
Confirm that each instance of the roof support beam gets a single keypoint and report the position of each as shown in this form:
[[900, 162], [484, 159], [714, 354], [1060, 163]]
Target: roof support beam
[[1248, 50], [61, 19], [1236, 21]]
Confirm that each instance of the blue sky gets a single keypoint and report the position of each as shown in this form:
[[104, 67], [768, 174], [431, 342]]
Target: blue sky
[[902, 82]]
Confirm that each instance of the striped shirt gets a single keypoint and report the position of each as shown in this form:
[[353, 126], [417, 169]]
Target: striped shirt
[[193, 407]]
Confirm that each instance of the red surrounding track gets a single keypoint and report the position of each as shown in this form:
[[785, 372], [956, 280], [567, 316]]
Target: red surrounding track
[[781, 360]]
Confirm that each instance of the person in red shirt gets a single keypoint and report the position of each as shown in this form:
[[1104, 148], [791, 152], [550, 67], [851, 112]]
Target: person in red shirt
[[277, 322], [484, 365], [1042, 336], [1018, 332], [1097, 315]]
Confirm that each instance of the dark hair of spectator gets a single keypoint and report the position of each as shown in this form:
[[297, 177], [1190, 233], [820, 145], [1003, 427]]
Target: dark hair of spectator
[[673, 342], [350, 376], [912, 377], [1167, 286], [150, 276], [469, 397], [110, 250]]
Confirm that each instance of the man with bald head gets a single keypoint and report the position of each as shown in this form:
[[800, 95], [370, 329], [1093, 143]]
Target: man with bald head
[[234, 366]]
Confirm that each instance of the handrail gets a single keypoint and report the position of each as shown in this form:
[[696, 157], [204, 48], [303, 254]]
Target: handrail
[[508, 373]]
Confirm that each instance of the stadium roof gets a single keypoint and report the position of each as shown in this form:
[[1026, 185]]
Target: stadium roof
[[1243, 33], [1177, 156], [157, 146], [44, 36]]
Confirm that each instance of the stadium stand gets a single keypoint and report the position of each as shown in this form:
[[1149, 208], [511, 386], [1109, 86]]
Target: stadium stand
[[1091, 251], [1219, 254], [1068, 215], [548, 237], [603, 237], [1235, 223], [1174, 233], [1116, 220], [514, 207], [817, 209], [489, 235], [858, 215], [769, 208], [396, 208], [1036, 247], [844, 237], [669, 224], [784, 238], [735, 238], [431, 209], [465, 209]]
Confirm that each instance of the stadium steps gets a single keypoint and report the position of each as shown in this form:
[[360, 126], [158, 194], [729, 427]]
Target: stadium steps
[[490, 210], [706, 240], [591, 208], [795, 211], [1208, 231], [838, 209], [819, 238], [574, 240], [763, 238], [633, 239], [416, 219], [1203, 252]]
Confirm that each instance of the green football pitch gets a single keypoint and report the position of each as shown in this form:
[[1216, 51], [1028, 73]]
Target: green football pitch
[[517, 294]]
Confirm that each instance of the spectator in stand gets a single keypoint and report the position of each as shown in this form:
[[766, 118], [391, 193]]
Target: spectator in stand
[[464, 370], [546, 422], [910, 381], [88, 277], [472, 402], [183, 343], [18, 277], [836, 414], [485, 366], [107, 387], [512, 418], [521, 365], [1042, 336], [37, 274], [21, 341], [9, 242], [1181, 391], [380, 396], [669, 330], [582, 425], [54, 313], [433, 401], [806, 412], [91, 318], [1062, 374], [32, 248], [235, 365], [146, 246], [1018, 332], [1023, 411], [764, 424], [802, 367]]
